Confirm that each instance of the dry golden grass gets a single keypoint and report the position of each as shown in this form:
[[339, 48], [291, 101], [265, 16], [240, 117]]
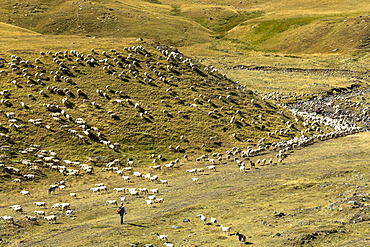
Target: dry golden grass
[[302, 188]]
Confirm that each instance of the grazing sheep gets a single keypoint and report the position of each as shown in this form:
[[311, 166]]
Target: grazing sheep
[[149, 203], [72, 195], [226, 229], [154, 191], [192, 171], [212, 168], [195, 180], [52, 219], [7, 219], [39, 213], [159, 200], [25, 192], [162, 237], [163, 182], [157, 167], [30, 218], [111, 202], [16, 208], [152, 197]]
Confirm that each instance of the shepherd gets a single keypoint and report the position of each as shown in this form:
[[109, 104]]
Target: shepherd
[[121, 211]]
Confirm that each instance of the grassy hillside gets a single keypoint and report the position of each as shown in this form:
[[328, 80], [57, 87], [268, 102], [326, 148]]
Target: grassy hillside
[[317, 197], [147, 82], [294, 27]]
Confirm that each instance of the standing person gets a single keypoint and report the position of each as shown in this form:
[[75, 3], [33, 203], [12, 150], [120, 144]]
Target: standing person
[[121, 211]]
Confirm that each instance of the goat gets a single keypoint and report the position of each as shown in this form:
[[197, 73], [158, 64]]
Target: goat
[[242, 238]]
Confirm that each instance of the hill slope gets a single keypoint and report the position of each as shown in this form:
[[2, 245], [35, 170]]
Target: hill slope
[[294, 27]]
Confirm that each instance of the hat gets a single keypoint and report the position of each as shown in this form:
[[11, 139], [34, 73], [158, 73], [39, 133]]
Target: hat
[[121, 203]]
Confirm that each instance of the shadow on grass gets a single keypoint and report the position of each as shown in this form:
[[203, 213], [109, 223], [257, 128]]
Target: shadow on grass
[[138, 225]]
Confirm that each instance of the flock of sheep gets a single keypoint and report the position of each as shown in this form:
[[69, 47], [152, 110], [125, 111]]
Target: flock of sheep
[[53, 92]]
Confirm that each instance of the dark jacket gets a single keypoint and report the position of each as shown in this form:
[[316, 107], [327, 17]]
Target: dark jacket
[[121, 210]]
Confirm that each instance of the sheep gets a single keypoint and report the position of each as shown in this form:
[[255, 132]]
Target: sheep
[[159, 200], [16, 180], [226, 229], [195, 180], [29, 176], [143, 190], [152, 197], [162, 237], [212, 168], [213, 220], [52, 188], [242, 168], [202, 218], [16, 208], [111, 202], [126, 179], [7, 219], [154, 191], [72, 195], [120, 189], [163, 182], [168, 244], [40, 204], [149, 203], [157, 167], [242, 238], [123, 199], [25, 192], [134, 192], [30, 218], [192, 171], [39, 213], [153, 178], [52, 219]]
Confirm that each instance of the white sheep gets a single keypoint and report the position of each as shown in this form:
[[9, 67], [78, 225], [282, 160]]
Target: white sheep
[[39, 213], [25, 193], [226, 229], [111, 202], [192, 171], [30, 218], [195, 180], [159, 200], [149, 203], [213, 220], [152, 197], [163, 182], [212, 168], [162, 237], [52, 219], [154, 191], [7, 219]]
